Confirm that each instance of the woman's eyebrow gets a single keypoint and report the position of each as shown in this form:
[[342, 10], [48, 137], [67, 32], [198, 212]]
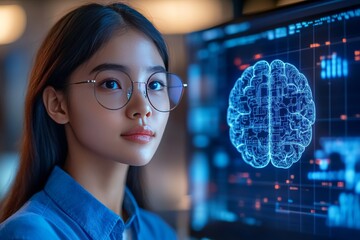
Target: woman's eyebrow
[[119, 67], [157, 68], [110, 66]]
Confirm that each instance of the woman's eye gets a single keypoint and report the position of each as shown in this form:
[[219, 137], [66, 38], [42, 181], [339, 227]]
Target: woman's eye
[[156, 85], [111, 84]]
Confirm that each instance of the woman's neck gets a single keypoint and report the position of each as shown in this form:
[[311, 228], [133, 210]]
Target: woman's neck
[[104, 180]]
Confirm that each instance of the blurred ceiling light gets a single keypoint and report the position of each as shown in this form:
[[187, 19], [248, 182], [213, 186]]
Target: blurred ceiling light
[[12, 23], [287, 2], [256, 6], [184, 16]]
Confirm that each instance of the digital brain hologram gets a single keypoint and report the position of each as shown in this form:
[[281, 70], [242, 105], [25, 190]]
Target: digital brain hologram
[[271, 112]]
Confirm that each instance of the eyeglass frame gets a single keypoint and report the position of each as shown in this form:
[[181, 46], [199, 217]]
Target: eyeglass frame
[[93, 81]]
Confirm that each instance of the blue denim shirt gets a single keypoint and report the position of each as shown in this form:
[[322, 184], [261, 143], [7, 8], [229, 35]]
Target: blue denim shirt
[[65, 210]]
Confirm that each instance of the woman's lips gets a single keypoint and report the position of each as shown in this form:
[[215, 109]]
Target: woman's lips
[[139, 134]]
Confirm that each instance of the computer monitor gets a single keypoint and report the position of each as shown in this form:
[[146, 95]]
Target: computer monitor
[[274, 124]]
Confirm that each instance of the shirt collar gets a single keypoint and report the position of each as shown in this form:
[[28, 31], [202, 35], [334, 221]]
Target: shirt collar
[[130, 205], [94, 217]]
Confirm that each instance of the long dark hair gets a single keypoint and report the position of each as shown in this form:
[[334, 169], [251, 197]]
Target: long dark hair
[[70, 42]]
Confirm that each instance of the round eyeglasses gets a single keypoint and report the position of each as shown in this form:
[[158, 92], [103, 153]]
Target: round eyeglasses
[[113, 89]]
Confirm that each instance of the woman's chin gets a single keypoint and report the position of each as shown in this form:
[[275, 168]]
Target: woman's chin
[[138, 162]]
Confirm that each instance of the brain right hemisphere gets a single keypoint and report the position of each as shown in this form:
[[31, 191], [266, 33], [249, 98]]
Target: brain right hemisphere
[[270, 114]]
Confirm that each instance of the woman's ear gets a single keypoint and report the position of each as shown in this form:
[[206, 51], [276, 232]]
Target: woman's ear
[[55, 104]]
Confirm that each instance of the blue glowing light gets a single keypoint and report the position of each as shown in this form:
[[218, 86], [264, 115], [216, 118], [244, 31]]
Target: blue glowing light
[[270, 114], [199, 176], [328, 69], [333, 67], [345, 67], [280, 32], [349, 150], [201, 140], [346, 213], [236, 28], [221, 159]]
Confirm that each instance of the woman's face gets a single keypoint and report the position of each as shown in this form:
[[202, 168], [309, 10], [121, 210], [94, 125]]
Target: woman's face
[[129, 135]]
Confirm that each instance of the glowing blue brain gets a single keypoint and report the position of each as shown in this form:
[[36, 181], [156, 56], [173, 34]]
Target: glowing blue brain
[[270, 114]]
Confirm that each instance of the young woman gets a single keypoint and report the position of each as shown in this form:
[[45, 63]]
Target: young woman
[[98, 102]]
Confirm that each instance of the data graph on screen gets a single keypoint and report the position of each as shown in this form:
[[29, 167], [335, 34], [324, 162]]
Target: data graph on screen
[[274, 124]]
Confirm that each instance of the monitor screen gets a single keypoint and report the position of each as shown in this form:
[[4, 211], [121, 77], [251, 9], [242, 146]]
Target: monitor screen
[[274, 124]]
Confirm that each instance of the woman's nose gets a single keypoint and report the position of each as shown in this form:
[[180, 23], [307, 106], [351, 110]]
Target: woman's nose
[[139, 105]]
